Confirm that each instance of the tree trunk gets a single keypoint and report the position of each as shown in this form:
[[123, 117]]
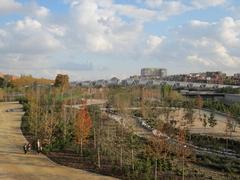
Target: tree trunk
[[155, 172], [121, 157], [183, 167], [132, 160], [65, 124], [108, 133], [226, 143], [94, 138], [78, 148], [81, 146], [99, 159]]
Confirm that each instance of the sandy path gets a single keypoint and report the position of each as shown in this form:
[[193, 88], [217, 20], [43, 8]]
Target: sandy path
[[16, 165], [219, 130]]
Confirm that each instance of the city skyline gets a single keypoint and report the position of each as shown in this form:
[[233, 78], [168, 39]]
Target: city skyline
[[90, 39]]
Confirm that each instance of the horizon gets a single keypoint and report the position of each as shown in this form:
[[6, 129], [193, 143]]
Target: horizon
[[90, 39], [108, 78]]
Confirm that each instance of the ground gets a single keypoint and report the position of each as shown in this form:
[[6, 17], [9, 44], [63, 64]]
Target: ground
[[197, 127], [14, 164]]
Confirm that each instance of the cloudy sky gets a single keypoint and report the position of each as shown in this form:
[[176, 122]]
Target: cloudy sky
[[94, 39]]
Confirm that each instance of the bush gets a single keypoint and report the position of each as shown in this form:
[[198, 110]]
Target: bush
[[22, 100]]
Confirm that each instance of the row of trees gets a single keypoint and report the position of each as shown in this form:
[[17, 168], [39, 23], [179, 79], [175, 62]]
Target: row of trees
[[110, 146], [28, 80], [90, 133]]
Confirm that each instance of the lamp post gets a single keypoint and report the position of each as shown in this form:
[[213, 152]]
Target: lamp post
[[183, 162]]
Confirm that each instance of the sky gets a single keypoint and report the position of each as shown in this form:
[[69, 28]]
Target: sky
[[100, 39]]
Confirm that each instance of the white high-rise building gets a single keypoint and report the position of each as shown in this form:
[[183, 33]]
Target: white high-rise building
[[153, 73]]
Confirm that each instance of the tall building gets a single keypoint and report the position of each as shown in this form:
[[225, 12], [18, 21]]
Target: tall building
[[153, 73]]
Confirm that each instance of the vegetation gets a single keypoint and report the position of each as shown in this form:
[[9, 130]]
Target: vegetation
[[62, 81], [29, 80], [83, 125], [229, 90], [232, 110], [4, 83], [216, 143], [219, 163], [88, 138], [211, 120]]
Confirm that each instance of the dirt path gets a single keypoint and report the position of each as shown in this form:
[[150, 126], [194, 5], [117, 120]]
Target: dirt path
[[16, 165]]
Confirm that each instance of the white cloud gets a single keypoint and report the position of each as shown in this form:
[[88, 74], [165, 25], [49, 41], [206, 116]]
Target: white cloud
[[136, 13], [29, 36], [154, 3], [213, 54], [196, 59], [198, 23], [30, 8], [211, 45], [229, 31], [172, 8], [98, 43], [28, 24], [101, 29], [2, 37], [57, 30], [168, 8], [109, 30], [42, 11], [165, 8], [153, 42], [202, 4], [9, 6]]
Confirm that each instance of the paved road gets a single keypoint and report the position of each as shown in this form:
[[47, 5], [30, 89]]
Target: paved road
[[16, 165]]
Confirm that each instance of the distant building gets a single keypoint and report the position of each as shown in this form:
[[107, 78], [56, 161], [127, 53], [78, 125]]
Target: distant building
[[9, 77], [86, 83], [237, 76], [101, 82], [143, 82], [113, 81], [153, 73], [130, 82]]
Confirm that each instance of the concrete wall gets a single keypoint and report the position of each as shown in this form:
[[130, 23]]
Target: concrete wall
[[232, 98]]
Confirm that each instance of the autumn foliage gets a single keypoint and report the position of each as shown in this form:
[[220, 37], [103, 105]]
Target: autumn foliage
[[199, 102], [62, 81], [83, 125], [29, 80]]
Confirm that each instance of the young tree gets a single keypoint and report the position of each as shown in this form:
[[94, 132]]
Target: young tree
[[82, 127], [49, 126], [2, 94], [229, 125], [204, 121], [166, 90], [211, 120], [156, 149], [199, 105], [95, 114], [181, 152], [189, 112], [189, 116]]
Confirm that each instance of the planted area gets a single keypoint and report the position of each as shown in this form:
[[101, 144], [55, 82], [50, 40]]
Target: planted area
[[88, 138]]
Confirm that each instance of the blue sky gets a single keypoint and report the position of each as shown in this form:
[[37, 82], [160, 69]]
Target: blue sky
[[92, 39]]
